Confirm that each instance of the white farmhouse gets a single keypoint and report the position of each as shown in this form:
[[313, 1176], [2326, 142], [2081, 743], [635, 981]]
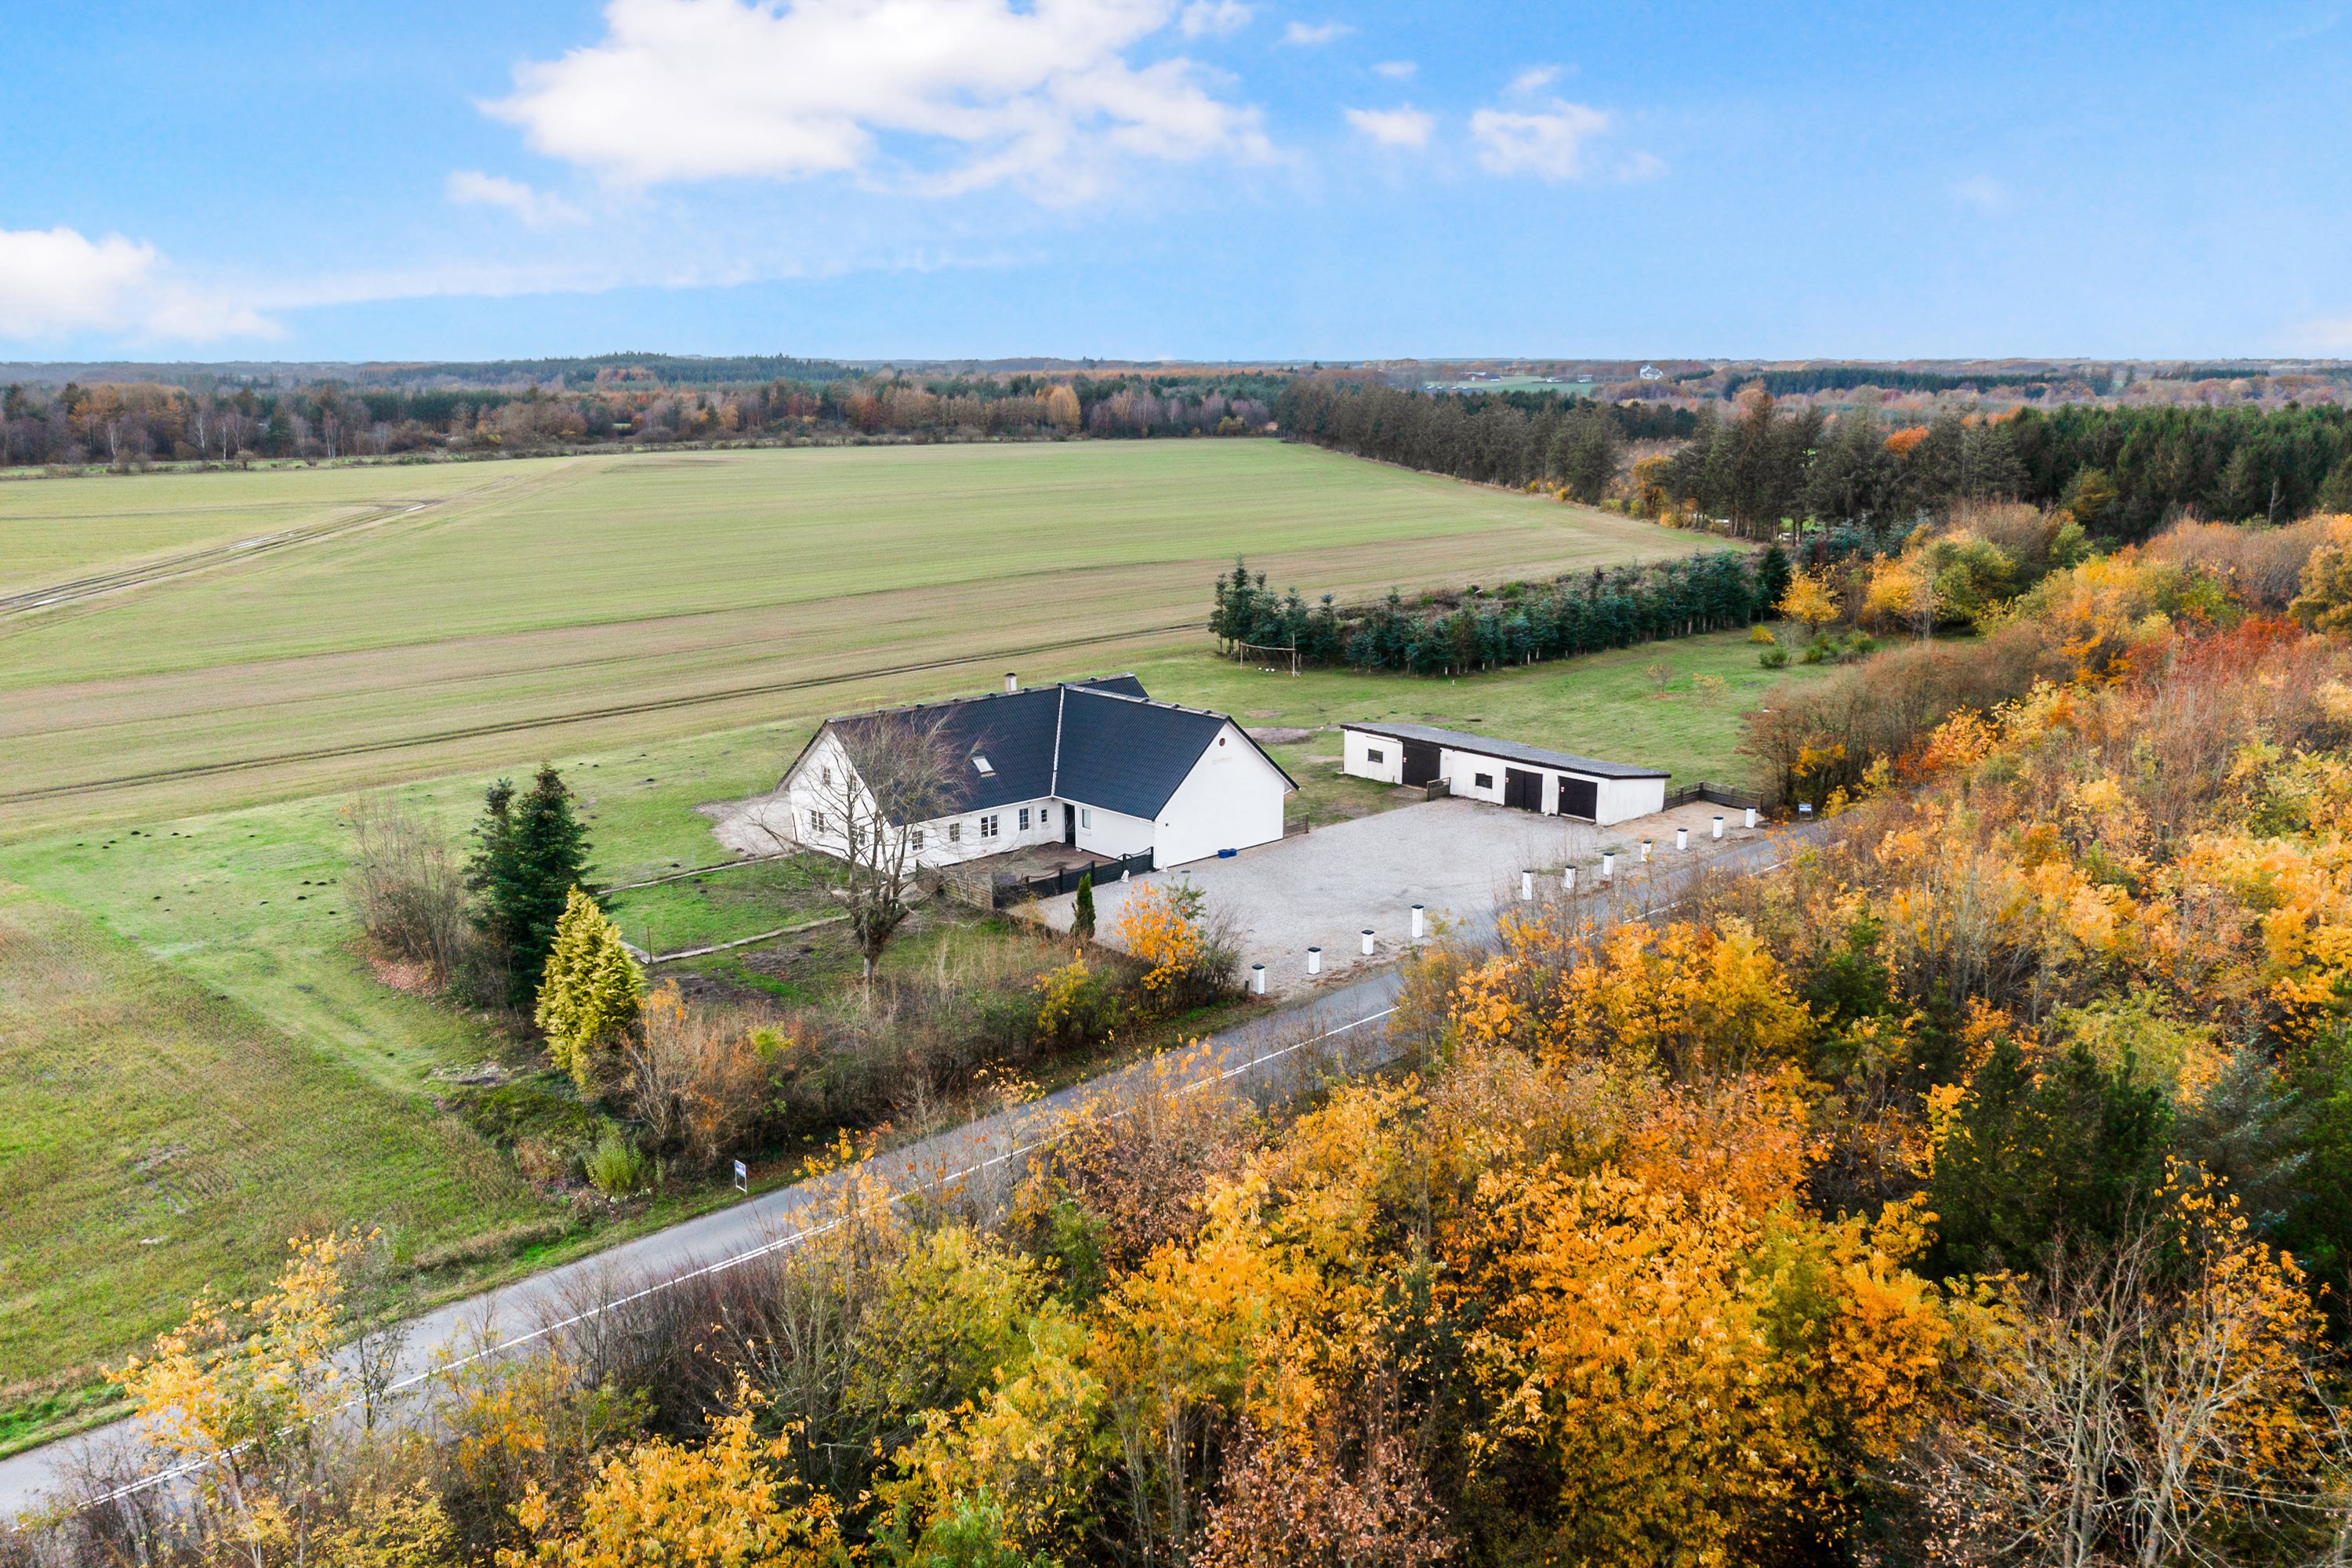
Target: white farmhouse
[[1478, 767], [1093, 764]]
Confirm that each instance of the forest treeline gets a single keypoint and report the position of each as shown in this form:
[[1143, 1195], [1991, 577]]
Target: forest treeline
[[1444, 633], [2123, 472], [1975, 1189], [127, 426]]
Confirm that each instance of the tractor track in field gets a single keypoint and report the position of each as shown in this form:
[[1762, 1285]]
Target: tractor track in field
[[579, 716], [75, 590]]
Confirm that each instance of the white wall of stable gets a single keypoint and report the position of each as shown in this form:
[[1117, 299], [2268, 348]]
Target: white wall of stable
[[1367, 754], [1230, 800], [1371, 756]]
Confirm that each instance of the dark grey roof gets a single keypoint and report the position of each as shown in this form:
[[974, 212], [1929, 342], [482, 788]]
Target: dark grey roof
[[1509, 751], [1126, 754], [1099, 742]]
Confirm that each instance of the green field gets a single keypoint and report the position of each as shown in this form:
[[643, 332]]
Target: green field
[[548, 605], [158, 1139], [180, 986]]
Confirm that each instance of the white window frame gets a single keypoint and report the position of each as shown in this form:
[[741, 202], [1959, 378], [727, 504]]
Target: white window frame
[[955, 832], [1024, 819], [916, 839], [1086, 816], [816, 824], [988, 825]]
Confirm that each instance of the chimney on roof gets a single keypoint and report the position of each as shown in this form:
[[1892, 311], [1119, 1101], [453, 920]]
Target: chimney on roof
[[1011, 683]]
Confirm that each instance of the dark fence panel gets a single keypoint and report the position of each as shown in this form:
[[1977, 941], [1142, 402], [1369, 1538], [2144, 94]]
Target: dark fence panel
[[1720, 795], [1048, 884]]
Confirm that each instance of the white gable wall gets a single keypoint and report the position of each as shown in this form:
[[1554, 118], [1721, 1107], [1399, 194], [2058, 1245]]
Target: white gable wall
[[1623, 799], [1230, 800]]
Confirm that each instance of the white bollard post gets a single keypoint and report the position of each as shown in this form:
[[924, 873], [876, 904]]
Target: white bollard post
[[1568, 879], [1751, 816], [1526, 886], [1257, 979], [1314, 961], [1645, 851], [1367, 942], [1609, 865], [1719, 825], [1682, 838], [1420, 918]]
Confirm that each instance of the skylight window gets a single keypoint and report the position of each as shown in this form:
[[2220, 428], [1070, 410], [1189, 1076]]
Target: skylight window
[[982, 764]]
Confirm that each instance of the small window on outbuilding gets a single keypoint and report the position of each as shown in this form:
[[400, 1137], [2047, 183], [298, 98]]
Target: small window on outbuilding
[[1374, 756], [1483, 781]]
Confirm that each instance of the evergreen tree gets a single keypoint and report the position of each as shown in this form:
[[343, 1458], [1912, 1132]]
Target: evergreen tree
[[1082, 914], [529, 853], [1773, 572], [2071, 1150], [588, 997]]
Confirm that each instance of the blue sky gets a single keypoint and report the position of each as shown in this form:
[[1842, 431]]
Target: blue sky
[[1142, 178]]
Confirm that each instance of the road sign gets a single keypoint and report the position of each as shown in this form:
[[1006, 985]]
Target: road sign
[[743, 1177]]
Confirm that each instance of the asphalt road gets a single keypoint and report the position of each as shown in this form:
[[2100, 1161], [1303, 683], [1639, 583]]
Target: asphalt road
[[1263, 1057]]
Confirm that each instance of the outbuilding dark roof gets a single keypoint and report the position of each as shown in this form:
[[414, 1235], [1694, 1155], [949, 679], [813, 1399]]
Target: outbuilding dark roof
[[1509, 751], [1098, 742]]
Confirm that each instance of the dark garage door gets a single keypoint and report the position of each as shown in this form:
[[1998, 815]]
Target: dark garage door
[[1524, 790], [1579, 797], [1420, 762]]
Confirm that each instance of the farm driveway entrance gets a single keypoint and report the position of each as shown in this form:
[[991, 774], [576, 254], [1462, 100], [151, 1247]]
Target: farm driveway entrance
[[1459, 857]]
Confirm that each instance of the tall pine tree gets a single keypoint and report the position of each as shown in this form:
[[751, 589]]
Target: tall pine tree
[[529, 853]]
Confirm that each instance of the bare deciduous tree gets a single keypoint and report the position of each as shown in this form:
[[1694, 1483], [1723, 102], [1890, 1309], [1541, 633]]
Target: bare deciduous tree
[[903, 770]]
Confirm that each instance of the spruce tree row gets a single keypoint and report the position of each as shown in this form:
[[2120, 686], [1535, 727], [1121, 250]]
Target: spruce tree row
[[1521, 623]]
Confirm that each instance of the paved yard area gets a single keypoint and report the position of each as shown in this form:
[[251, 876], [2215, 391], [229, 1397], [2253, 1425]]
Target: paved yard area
[[1461, 858]]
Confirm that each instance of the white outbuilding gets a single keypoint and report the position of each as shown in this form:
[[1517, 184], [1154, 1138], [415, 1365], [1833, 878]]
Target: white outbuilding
[[1093, 764], [1479, 768]]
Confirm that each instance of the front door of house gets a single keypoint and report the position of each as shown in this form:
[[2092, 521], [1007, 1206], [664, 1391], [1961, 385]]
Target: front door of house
[[1069, 824]]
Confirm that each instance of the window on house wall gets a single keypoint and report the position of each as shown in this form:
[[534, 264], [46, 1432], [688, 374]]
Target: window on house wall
[[1375, 756], [988, 825], [1024, 819], [917, 838], [955, 832], [816, 824], [1483, 781], [1086, 816], [826, 775]]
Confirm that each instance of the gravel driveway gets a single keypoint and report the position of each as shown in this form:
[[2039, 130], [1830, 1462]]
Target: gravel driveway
[[1460, 859]]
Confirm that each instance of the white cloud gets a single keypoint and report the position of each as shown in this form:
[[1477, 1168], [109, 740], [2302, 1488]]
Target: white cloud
[[1535, 77], [1982, 191], [1553, 143], [1313, 33], [1213, 18], [469, 187], [1406, 127], [967, 93], [55, 282], [1397, 70]]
